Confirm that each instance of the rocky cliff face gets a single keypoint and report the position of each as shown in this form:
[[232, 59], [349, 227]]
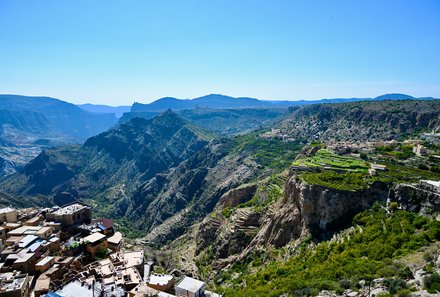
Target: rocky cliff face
[[303, 209], [416, 199], [314, 209], [361, 120]]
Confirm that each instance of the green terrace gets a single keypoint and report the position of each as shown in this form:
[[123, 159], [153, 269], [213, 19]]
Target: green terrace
[[328, 160]]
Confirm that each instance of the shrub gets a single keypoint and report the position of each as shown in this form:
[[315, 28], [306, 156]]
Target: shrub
[[432, 283], [394, 206], [405, 273], [395, 284]]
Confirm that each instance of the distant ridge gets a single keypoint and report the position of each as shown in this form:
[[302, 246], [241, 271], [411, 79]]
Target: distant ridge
[[218, 101], [99, 108]]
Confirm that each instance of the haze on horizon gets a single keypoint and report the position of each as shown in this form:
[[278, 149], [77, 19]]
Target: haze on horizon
[[114, 52]]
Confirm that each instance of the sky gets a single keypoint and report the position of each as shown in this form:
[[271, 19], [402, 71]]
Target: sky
[[118, 52]]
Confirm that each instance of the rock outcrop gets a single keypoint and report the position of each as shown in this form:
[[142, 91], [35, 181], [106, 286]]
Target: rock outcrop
[[304, 209], [416, 199], [313, 209]]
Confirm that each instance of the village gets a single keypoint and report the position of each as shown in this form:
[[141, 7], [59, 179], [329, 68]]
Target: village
[[63, 252]]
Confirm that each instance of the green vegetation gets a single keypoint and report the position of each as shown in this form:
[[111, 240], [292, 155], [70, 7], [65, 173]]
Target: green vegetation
[[432, 283], [324, 158], [366, 253], [347, 181], [267, 193], [271, 153], [397, 173], [401, 152]]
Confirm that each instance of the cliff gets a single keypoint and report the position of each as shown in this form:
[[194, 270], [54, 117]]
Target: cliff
[[302, 209]]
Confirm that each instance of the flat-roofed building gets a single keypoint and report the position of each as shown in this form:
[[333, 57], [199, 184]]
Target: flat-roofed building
[[95, 242], [115, 241], [8, 215], [35, 221], [45, 264], [53, 244], [161, 282], [24, 230], [142, 290], [42, 286], [56, 226], [71, 214], [24, 262], [44, 232], [130, 259], [190, 287], [13, 240], [27, 241], [13, 284], [11, 226]]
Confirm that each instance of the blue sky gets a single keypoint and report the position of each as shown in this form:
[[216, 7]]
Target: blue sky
[[117, 52]]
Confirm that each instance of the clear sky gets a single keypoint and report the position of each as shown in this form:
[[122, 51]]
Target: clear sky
[[117, 52]]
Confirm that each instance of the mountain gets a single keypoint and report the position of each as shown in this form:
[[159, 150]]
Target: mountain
[[62, 117], [162, 174], [158, 175], [216, 101], [209, 101], [117, 110], [395, 96], [361, 121], [223, 121], [30, 124]]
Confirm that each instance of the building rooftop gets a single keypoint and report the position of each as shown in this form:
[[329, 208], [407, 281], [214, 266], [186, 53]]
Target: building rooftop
[[190, 284], [33, 247], [43, 230], [45, 261], [106, 223], [33, 220], [70, 208], [27, 240], [23, 257], [143, 290], [11, 281], [132, 258], [116, 238], [24, 230], [160, 279], [12, 225], [95, 237], [6, 209], [42, 284]]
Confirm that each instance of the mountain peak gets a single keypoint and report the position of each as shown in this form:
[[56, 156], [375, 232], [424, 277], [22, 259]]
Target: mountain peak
[[394, 96]]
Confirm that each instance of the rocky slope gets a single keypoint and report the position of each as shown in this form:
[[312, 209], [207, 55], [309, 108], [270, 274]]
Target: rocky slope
[[300, 210], [159, 175], [29, 125], [223, 121], [361, 121]]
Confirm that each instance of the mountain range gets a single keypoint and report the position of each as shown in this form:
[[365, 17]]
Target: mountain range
[[167, 172], [215, 192], [217, 101], [30, 124]]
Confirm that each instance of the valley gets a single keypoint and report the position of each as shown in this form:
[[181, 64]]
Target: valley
[[284, 194]]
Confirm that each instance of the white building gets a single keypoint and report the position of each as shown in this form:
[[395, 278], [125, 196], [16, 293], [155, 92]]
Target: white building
[[8, 215], [190, 287]]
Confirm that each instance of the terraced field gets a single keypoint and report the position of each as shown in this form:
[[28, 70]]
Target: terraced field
[[324, 158]]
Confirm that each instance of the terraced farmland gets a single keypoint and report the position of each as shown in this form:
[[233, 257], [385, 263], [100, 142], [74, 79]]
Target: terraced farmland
[[326, 159]]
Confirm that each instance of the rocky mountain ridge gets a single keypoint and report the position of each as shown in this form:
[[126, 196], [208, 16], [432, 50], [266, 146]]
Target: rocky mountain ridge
[[361, 121]]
